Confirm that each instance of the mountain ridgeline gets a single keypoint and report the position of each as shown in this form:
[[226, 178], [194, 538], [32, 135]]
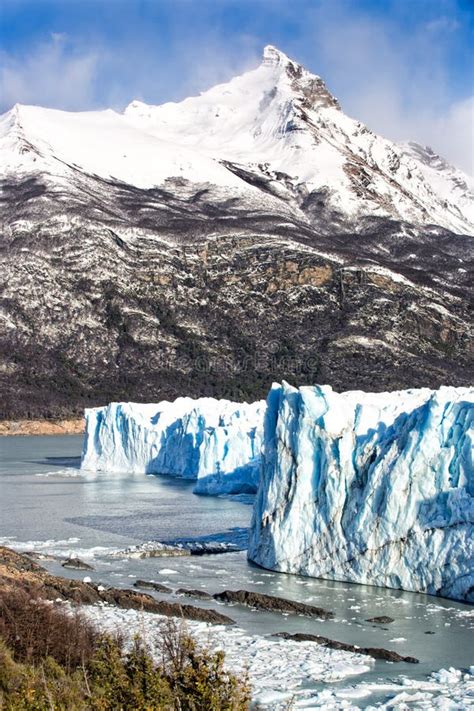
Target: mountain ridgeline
[[250, 234]]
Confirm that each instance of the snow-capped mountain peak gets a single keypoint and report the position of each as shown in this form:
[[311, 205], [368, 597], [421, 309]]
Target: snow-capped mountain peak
[[274, 57], [308, 88], [155, 250], [277, 123], [281, 119]]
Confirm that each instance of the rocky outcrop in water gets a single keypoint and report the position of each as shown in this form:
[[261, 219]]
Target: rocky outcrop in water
[[201, 594], [374, 652], [76, 564], [271, 603], [148, 585], [18, 570]]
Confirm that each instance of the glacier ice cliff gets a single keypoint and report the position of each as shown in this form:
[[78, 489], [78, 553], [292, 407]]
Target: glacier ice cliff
[[217, 442], [369, 488]]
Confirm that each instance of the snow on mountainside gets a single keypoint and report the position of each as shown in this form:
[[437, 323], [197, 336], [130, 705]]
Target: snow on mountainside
[[450, 182], [279, 121], [280, 118], [100, 143]]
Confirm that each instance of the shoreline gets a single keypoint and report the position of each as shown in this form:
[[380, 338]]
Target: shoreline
[[281, 671], [25, 427]]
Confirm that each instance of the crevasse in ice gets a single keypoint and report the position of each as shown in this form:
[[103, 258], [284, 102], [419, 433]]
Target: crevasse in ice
[[216, 442], [373, 488]]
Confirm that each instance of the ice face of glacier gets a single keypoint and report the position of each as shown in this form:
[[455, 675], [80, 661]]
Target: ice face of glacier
[[369, 488], [216, 442]]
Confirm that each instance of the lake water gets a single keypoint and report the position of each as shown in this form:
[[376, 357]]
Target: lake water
[[47, 505]]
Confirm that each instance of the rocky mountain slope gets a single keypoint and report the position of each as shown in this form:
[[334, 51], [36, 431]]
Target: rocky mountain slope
[[250, 234]]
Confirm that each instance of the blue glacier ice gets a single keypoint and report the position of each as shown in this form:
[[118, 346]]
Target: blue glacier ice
[[216, 442], [369, 488]]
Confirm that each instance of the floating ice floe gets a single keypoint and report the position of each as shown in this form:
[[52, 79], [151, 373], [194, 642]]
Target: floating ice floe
[[372, 488], [216, 442], [300, 674], [274, 665], [68, 473]]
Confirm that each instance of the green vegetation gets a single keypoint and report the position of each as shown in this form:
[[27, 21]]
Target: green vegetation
[[51, 660]]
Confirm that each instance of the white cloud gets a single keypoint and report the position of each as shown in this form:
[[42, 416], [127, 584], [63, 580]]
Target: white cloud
[[65, 72], [453, 133], [396, 83], [442, 24], [49, 76]]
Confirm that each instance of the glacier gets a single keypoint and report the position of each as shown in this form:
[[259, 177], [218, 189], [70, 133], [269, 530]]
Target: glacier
[[371, 488], [216, 442]]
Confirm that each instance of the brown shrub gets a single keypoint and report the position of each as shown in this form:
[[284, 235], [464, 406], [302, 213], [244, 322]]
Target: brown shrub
[[197, 676], [55, 660], [35, 629]]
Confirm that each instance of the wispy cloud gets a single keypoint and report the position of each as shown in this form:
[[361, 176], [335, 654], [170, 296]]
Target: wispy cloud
[[442, 24], [396, 82], [69, 73], [49, 75]]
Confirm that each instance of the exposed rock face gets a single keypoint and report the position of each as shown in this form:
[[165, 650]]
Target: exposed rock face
[[19, 571], [295, 244], [369, 488], [260, 601], [374, 652], [41, 427], [137, 318]]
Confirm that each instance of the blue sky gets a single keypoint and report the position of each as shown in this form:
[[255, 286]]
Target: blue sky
[[405, 67]]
